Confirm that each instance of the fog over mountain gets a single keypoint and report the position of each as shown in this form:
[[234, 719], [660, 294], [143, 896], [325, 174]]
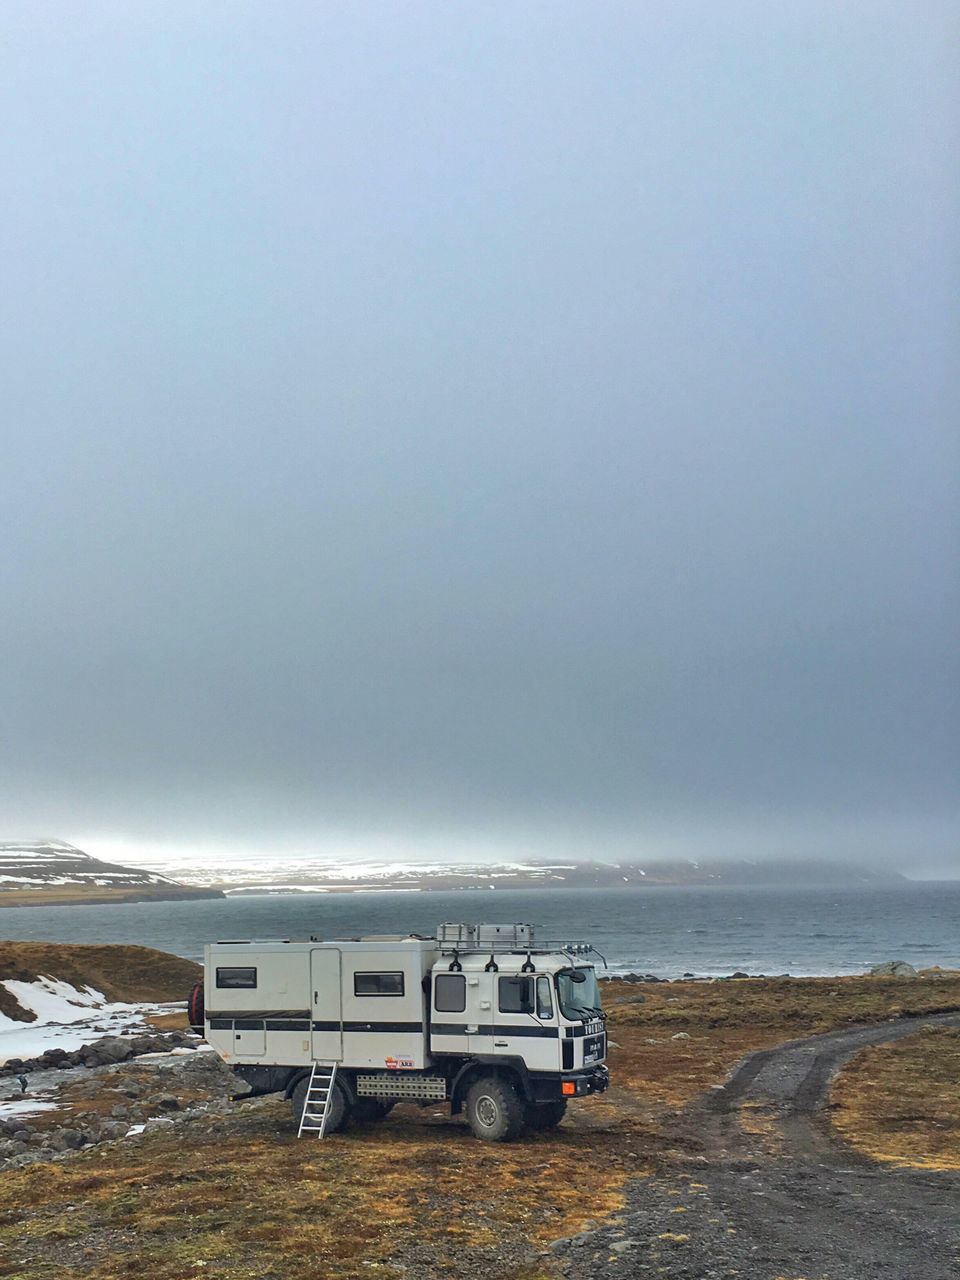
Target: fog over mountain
[[482, 432]]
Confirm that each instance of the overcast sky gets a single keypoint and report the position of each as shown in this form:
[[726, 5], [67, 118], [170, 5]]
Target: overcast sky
[[481, 429]]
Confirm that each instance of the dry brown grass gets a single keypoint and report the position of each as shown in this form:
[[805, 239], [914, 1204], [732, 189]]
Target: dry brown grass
[[242, 1198], [120, 972], [65, 895], [900, 1102], [725, 1020], [168, 1021], [263, 1204]]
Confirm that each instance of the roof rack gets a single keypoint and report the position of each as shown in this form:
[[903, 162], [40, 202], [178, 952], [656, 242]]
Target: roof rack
[[520, 939]]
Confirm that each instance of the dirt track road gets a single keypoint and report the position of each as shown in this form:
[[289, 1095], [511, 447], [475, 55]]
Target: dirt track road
[[787, 1202]]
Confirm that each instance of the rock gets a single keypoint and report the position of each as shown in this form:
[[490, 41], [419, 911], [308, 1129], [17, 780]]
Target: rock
[[739, 974], [158, 1122], [621, 1246], [112, 1049], [65, 1139], [120, 1112], [680, 1035], [167, 1104], [893, 969]]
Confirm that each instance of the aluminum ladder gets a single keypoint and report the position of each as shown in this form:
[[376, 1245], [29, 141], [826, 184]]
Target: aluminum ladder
[[316, 1106]]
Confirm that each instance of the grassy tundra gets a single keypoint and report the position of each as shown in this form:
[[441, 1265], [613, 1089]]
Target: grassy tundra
[[415, 1196]]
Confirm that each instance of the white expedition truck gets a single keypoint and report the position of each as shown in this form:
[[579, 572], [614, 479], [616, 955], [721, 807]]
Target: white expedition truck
[[484, 1017]]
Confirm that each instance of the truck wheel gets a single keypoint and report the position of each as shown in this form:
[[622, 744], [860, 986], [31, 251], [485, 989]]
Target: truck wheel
[[339, 1106], [368, 1109], [494, 1112], [546, 1115]]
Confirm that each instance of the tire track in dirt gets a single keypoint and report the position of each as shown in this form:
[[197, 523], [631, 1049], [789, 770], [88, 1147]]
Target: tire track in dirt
[[810, 1210]]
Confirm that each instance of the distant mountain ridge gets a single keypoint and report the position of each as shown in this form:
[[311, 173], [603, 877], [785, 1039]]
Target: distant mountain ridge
[[284, 875], [52, 872]]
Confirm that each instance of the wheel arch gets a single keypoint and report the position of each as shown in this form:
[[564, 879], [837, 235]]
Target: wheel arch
[[512, 1069]]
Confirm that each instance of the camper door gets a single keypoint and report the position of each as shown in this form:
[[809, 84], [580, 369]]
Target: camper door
[[326, 1018]]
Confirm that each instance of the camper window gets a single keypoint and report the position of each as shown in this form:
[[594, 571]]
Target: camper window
[[516, 995], [378, 984], [450, 993], [236, 977]]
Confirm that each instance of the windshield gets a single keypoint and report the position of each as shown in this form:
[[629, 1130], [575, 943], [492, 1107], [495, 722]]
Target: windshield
[[578, 1000]]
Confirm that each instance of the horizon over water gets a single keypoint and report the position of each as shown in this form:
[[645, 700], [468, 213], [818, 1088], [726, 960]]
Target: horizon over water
[[663, 930]]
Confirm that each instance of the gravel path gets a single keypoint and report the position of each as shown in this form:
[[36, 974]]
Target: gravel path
[[788, 1202]]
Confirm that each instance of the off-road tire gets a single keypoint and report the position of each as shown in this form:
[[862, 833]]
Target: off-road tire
[[541, 1116], [367, 1110], [495, 1112], [338, 1113]]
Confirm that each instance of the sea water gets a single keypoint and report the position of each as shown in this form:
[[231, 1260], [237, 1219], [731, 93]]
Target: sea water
[[665, 931]]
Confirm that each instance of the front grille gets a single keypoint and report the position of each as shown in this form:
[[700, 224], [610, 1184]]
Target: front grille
[[594, 1048]]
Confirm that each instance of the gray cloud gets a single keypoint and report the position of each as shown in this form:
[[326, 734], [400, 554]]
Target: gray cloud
[[534, 426]]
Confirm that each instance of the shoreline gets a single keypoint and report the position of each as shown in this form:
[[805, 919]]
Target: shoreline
[[13, 898]]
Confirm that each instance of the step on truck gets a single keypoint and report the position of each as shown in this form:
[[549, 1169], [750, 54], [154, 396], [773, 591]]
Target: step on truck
[[489, 1019]]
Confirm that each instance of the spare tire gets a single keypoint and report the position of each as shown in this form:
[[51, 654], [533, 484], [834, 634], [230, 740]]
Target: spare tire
[[195, 1008]]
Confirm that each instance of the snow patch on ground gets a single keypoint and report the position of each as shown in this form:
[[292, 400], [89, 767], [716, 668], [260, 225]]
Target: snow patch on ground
[[66, 1017], [52, 1000], [24, 1107]]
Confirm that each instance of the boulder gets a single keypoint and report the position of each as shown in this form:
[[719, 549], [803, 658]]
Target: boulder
[[65, 1139], [112, 1049], [158, 1122], [893, 969], [111, 1130]]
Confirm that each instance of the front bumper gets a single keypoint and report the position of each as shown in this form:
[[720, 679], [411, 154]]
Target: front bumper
[[591, 1080], [569, 1084]]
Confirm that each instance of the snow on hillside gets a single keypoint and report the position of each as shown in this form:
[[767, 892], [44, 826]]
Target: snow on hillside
[[275, 873], [64, 1017], [45, 863]]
